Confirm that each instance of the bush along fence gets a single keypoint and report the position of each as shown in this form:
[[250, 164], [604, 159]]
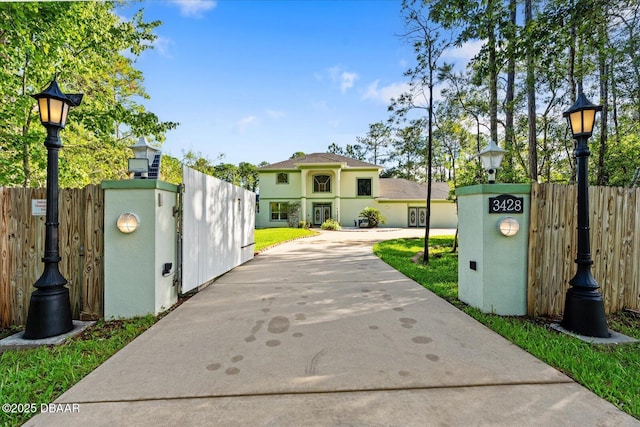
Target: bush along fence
[[614, 219], [22, 230]]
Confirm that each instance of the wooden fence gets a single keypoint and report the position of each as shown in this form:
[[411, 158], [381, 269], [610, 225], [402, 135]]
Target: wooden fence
[[614, 218], [22, 247]]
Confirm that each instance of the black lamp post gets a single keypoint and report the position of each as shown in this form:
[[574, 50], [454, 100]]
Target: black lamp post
[[584, 307], [49, 308]]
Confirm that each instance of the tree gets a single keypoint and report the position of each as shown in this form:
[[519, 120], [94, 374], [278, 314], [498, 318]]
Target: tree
[[428, 45], [377, 138], [92, 50], [408, 151]]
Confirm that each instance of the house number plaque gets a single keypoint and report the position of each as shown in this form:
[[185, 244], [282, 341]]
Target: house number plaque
[[506, 203]]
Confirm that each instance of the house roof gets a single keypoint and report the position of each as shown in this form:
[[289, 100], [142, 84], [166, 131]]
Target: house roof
[[403, 189], [320, 158]]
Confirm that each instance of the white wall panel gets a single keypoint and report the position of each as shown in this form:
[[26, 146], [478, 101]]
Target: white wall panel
[[218, 228]]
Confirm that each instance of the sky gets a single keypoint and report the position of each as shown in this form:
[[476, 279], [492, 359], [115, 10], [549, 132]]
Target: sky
[[260, 80]]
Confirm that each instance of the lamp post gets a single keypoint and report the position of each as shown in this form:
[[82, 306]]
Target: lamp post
[[584, 307], [49, 307], [491, 157]]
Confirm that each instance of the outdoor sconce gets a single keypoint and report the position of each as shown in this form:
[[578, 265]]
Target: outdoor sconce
[[128, 222], [491, 157], [508, 226]]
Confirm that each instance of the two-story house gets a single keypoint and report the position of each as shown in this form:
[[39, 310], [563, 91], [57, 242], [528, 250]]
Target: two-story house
[[328, 185]]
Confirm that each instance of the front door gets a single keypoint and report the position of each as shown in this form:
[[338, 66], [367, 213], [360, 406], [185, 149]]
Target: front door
[[321, 213]]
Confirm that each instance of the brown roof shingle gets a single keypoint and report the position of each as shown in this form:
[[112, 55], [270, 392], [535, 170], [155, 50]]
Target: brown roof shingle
[[320, 158], [404, 189]]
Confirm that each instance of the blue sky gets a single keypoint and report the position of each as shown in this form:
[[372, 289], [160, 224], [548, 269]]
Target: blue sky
[[259, 80]]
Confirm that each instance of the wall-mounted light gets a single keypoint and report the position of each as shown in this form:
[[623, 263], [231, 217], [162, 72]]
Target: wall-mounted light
[[128, 222], [508, 226]]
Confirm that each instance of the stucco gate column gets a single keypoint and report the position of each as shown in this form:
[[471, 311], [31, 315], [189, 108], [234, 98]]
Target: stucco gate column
[[137, 277], [492, 267]]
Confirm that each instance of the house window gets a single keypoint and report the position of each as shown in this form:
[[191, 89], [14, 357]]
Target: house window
[[364, 186], [282, 178], [322, 184], [278, 211]]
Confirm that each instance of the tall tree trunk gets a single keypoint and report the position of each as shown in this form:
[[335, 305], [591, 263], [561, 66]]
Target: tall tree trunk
[[493, 72], [602, 178], [425, 255], [531, 101], [614, 100], [509, 142]]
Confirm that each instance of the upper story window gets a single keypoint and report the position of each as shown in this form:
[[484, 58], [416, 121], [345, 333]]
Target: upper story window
[[364, 186], [282, 178], [322, 184]]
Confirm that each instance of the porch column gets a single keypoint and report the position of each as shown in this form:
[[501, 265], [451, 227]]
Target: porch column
[[303, 195], [337, 197]]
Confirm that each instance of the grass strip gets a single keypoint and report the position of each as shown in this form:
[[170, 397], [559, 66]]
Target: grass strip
[[610, 371], [267, 237], [40, 375]]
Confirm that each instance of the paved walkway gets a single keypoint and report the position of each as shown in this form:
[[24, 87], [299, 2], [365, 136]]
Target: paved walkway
[[320, 332]]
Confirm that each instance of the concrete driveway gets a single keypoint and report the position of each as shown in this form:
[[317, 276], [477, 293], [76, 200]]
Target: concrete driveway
[[320, 332]]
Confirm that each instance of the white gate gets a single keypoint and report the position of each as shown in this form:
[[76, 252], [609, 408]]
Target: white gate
[[218, 222]]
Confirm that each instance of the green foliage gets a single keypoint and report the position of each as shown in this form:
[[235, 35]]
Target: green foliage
[[331, 224], [244, 175], [93, 51], [373, 216], [609, 371], [42, 374], [267, 237], [171, 169]]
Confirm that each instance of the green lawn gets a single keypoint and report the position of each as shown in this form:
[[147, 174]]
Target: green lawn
[[612, 372], [266, 237], [39, 375]]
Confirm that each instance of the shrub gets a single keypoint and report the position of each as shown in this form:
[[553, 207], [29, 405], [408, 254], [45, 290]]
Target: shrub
[[304, 224], [373, 217], [331, 224]]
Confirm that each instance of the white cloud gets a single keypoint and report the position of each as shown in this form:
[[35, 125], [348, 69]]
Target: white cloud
[[245, 122], [162, 46], [275, 114], [346, 79], [384, 94], [195, 8], [464, 53]]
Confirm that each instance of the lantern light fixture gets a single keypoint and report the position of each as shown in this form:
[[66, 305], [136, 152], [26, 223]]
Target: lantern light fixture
[[54, 105], [491, 157], [582, 116]]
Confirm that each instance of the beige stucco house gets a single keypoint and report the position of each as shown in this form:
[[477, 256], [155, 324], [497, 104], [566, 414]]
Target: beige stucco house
[[328, 185]]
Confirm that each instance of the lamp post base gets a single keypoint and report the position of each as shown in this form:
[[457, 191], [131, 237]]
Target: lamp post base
[[49, 313], [584, 314]]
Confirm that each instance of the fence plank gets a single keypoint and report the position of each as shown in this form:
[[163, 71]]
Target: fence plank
[[92, 274], [615, 245], [22, 247]]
